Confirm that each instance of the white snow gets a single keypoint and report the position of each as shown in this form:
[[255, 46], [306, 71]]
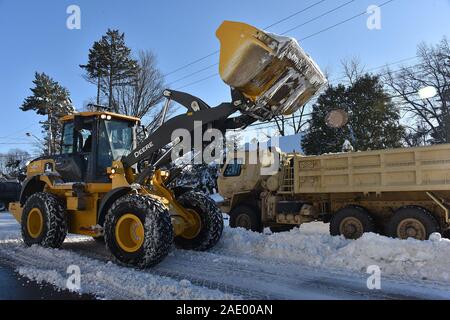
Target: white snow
[[305, 263], [312, 245]]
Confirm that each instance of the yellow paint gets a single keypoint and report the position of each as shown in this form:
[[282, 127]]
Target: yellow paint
[[241, 50], [38, 167], [97, 113], [16, 211], [187, 221], [35, 223], [129, 233]]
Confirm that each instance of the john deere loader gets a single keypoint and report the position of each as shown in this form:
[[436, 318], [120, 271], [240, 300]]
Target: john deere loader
[[105, 185]]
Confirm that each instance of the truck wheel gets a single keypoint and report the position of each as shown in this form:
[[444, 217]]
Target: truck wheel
[[351, 222], [2, 206], [245, 217], [43, 221], [210, 223], [138, 231], [412, 222]]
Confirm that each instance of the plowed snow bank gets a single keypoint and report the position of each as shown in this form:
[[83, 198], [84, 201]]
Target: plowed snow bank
[[409, 258]]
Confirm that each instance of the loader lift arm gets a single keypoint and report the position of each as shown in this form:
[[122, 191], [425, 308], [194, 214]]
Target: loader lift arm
[[197, 111]]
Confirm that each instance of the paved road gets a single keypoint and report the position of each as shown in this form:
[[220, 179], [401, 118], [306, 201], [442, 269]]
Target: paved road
[[207, 274], [16, 287]]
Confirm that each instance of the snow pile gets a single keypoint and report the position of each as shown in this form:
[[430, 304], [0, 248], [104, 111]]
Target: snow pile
[[421, 260]]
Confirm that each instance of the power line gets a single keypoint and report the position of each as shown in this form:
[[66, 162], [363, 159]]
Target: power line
[[383, 66], [292, 15], [294, 117], [308, 37], [343, 21], [200, 80], [295, 14], [319, 16], [193, 74], [268, 27], [18, 131]]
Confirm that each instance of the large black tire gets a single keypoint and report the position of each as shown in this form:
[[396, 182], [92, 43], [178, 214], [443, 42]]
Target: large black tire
[[48, 230], [412, 222], [246, 217], [157, 232], [351, 222], [211, 222]]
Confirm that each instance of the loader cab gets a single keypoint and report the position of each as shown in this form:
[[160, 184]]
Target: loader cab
[[91, 141]]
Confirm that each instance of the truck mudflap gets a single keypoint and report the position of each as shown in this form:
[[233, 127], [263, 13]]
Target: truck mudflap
[[272, 71]]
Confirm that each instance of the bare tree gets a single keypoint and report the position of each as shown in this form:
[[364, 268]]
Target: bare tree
[[433, 71], [353, 69], [145, 92], [293, 124]]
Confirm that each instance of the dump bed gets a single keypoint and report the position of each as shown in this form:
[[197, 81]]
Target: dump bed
[[408, 169]]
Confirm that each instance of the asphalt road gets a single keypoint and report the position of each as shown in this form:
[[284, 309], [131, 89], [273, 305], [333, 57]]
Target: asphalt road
[[16, 287]]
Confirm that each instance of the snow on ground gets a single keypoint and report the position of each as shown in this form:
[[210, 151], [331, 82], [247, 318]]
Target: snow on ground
[[305, 263], [312, 245], [104, 279]]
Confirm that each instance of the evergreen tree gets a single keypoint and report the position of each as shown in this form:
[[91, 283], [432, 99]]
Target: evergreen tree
[[320, 138], [373, 119], [49, 99], [110, 65]]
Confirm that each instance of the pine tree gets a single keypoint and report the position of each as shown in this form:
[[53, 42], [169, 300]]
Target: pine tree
[[49, 99], [320, 138], [373, 119], [110, 65]]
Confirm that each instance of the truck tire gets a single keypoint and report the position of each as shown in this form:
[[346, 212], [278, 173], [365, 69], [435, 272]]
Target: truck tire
[[412, 222], [44, 221], [245, 217], [138, 231], [351, 222], [211, 221]]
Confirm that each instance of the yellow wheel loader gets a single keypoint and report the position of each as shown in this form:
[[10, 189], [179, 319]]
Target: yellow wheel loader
[[105, 185]]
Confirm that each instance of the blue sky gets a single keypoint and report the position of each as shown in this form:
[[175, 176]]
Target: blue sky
[[34, 37]]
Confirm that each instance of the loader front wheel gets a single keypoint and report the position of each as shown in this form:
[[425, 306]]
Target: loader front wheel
[[209, 226], [138, 231], [43, 221]]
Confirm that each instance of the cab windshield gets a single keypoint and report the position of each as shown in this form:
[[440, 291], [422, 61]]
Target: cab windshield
[[119, 137], [115, 141]]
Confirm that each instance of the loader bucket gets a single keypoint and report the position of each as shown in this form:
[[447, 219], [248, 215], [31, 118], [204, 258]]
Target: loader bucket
[[272, 71]]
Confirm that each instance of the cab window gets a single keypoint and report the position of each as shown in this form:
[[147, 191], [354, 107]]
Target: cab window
[[233, 168], [67, 139]]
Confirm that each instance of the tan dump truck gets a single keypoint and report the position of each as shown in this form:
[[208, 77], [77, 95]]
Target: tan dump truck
[[403, 193]]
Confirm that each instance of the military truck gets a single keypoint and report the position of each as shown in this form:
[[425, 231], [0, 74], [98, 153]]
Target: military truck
[[402, 193]]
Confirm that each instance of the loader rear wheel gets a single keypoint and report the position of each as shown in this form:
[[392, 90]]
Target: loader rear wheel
[[351, 222], [138, 231], [245, 217], [210, 222], [43, 221], [412, 222]]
